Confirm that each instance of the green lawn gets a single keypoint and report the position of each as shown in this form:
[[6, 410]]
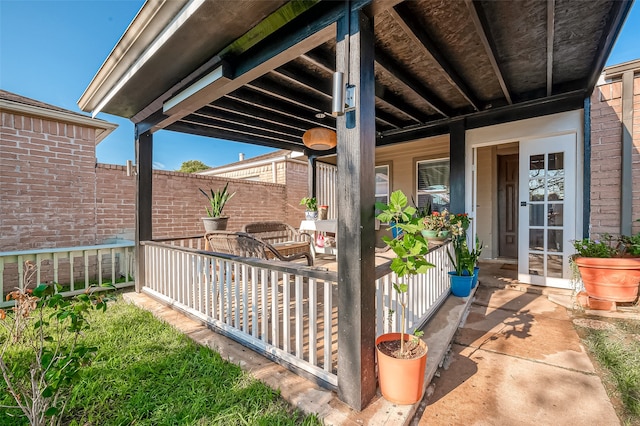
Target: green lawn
[[617, 351], [147, 373]]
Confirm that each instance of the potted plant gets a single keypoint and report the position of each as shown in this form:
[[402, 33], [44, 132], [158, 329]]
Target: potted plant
[[437, 225], [463, 264], [475, 255], [402, 358], [311, 205], [609, 267], [217, 200]]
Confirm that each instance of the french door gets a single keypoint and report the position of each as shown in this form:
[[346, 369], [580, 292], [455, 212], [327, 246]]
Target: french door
[[547, 210]]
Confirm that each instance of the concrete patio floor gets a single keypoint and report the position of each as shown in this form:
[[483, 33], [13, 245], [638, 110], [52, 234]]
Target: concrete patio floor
[[515, 360]]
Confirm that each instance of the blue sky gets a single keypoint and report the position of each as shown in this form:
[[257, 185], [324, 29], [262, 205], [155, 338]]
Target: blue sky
[[51, 49]]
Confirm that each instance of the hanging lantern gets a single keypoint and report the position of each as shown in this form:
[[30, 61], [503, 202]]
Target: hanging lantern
[[320, 139]]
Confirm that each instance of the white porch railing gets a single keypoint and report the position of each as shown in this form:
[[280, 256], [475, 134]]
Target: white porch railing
[[283, 310], [75, 268], [425, 295]]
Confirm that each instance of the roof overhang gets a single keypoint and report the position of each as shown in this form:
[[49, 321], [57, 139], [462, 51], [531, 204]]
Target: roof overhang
[[260, 71]]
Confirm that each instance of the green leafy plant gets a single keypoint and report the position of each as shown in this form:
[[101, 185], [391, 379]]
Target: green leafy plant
[[310, 203], [410, 248], [217, 200], [462, 259], [607, 246], [47, 329]]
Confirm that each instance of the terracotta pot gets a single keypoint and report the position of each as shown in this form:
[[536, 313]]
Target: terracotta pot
[[615, 279], [401, 380]]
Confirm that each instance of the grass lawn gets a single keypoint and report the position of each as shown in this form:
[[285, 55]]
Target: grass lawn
[[147, 373], [615, 345]]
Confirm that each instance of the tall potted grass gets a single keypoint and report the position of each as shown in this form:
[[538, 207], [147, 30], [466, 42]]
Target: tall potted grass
[[215, 221], [402, 358]]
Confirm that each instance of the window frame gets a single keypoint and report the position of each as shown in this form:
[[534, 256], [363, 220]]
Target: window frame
[[432, 192]]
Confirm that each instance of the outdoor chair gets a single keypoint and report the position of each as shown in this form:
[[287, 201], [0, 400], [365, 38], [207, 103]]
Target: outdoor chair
[[283, 237], [246, 245]]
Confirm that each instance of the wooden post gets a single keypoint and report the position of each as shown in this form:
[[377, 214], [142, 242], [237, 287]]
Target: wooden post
[[312, 176], [144, 180], [356, 199], [457, 166]]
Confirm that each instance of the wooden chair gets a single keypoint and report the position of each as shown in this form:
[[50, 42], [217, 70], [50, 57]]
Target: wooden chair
[[246, 245], [283, 237]]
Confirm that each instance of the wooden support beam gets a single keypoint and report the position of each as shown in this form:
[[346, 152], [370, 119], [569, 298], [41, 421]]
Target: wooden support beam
[[457, 150], [401, 74], [144, 201], [482, 28], [423, 42], [356, 232], [551, 18]]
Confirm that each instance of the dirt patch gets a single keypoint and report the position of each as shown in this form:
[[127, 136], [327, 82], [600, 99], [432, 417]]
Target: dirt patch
[[411, 349], [593, 324]]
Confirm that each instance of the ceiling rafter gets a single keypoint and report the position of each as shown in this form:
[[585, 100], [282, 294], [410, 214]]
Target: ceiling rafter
[[551, 17], [482, 28], [251, 123], [401, 74], [382, 94], [224, 133], [288, 95], [233, 107], [259, 100], [316, 85], [224, 125], [421, 39]]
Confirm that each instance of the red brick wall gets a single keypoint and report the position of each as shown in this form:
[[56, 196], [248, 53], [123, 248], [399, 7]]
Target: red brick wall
[[606, 159], [47, 184]]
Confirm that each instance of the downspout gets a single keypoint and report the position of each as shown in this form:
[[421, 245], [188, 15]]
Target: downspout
[[586, 171], [626, 184]]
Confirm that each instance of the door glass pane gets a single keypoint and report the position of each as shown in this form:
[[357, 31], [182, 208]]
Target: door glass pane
[[536, 190], [536, 239], [555, 188], [536, 214], [554, 214], [554, 266], [536, 264], [536, 166], [556, 164], [554, 240]]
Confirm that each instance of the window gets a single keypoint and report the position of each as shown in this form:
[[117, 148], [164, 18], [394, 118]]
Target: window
[[433, 184], [382, 184]]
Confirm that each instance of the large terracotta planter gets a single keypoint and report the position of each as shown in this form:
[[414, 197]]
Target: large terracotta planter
[[401, 380], [615, 279]]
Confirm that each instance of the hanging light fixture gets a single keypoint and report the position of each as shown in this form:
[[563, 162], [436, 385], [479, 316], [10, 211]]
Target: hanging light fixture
[[320, 139]]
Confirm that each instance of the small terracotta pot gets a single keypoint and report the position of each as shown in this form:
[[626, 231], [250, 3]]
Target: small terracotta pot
[[615, 279], [401, 380]]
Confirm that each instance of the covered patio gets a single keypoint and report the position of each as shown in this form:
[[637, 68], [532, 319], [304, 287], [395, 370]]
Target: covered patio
[[261, 72]]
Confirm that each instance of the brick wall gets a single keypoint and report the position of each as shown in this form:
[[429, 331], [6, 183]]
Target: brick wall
[[47, 183], [178, 205], [606, 157], [55, 195]]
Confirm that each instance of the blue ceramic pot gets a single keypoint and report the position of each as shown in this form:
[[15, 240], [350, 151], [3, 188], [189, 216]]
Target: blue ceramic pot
[[475, 277], [460, 284]]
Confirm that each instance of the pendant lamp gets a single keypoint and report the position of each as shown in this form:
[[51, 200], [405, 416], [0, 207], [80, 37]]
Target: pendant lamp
[[319, 139]]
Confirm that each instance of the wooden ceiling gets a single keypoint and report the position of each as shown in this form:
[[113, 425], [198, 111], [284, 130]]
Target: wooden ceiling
[[435, 61]]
